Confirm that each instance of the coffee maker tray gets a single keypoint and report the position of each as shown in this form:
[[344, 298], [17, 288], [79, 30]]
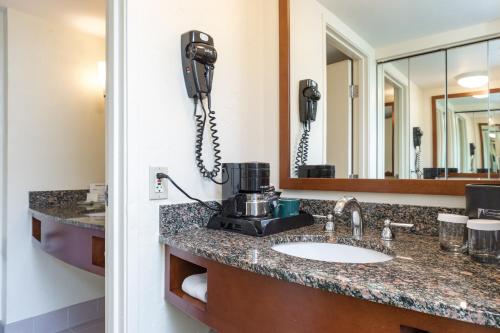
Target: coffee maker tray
[[260, 227]]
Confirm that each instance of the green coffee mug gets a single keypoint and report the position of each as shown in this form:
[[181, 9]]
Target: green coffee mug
[[287, 207]]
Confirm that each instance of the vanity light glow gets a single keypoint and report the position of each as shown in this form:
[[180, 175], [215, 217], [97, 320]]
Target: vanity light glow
[[101, 76], [101, 73]]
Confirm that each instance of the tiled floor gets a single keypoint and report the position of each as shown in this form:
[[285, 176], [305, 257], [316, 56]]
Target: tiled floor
[[96, 326]]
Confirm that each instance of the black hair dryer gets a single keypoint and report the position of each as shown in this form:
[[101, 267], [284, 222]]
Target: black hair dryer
[[417, 136], [309, 96], [198, 59]]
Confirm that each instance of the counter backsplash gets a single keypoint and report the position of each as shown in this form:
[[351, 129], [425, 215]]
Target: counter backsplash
[[48, 199], [181, 217]]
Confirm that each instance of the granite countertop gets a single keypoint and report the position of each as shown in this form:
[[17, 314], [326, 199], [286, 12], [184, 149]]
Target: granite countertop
[[420, 277], [72, 215]]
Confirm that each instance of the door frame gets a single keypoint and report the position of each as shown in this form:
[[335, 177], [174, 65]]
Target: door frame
[[360, 105], [117, 308], [3, 163], [401, 91]]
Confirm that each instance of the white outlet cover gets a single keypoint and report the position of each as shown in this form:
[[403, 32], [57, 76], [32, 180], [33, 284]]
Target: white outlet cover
[[155, 191]]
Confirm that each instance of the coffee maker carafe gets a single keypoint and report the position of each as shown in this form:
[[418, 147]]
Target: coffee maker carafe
[[246, 191]]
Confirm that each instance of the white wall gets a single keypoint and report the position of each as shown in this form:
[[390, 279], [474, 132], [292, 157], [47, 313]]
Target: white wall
[[161, 127], [448, 38], [55, 141]]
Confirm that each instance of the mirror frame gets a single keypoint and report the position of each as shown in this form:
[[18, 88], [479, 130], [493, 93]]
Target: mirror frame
[[408, 186]]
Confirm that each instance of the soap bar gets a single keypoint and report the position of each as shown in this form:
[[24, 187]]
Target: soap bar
[[92, 197]]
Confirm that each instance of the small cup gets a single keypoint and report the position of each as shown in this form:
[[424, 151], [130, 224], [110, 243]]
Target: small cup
[[452, 232], [287, 208], [484, 241]]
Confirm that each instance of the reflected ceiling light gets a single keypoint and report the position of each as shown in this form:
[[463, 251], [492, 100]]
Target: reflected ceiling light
[[480, 96], [472, 79], [88, 24]]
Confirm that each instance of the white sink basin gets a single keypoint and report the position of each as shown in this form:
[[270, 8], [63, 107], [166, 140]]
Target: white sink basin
[[332, 252]]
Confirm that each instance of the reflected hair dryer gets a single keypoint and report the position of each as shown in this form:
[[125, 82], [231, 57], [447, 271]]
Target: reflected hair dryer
[[417, 136], [198, 58], [472, 150], [417, 143], [309, 96]]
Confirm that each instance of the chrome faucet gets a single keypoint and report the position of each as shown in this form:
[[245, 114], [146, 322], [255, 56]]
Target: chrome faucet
[[354, 207]]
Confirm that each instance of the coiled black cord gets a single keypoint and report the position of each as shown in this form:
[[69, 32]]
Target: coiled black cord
[[200, 129], [303, 149], [165, 176], [418, 162]]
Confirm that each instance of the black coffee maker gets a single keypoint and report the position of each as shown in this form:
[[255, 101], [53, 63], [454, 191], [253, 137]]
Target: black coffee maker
[[482, 201], [250, 204], [246, 191]]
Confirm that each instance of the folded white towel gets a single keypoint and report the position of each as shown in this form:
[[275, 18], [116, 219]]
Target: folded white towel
[[196, 286]]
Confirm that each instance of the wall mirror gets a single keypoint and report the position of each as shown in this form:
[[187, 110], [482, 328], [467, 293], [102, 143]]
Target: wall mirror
[[424, 123]]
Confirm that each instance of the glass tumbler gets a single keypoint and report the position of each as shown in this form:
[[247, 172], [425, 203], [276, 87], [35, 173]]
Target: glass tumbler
[[484, 241], [452, 232]]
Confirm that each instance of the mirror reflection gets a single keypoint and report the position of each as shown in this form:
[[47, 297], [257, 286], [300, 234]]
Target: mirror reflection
[[394, 121], [452, 97], [430, 115]]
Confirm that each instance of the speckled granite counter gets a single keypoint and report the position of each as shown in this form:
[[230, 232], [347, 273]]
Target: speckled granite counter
[[420, 278], [73, 215], [62, 207]]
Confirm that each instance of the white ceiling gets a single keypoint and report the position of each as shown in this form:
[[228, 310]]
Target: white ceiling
[[384, 22], [334, 55], [85, 15], [428, 71]]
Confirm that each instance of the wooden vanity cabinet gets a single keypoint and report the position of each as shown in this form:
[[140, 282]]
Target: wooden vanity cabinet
[[242, 301], [77, 246]]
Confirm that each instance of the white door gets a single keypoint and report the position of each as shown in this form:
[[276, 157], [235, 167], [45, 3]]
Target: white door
[[339, 117]]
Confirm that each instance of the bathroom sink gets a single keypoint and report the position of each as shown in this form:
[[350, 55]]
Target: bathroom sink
[[99, 214], [332, 252]]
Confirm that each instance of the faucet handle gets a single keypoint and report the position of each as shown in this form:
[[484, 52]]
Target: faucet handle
[[330, 225], [387, 234]]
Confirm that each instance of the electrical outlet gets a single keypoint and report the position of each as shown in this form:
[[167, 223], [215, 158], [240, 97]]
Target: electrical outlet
[[158, 189]]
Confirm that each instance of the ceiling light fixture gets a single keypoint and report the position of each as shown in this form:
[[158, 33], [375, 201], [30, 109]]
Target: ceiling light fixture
[[472, 79], [480, 96]]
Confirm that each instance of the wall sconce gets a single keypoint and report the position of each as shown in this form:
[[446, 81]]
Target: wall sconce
[[101, 75]]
